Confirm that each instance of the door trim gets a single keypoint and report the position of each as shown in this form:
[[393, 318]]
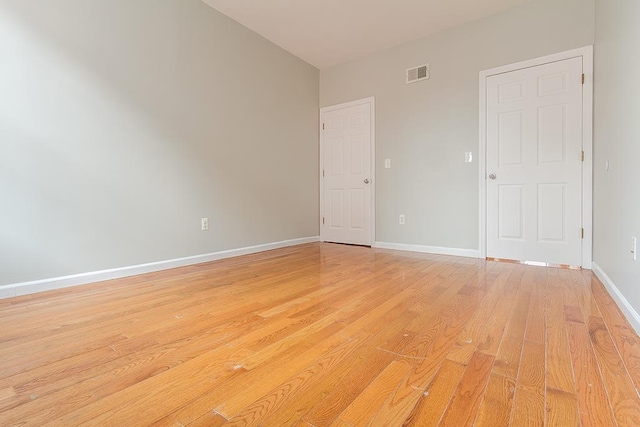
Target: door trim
[[323, 110], [587, 143]]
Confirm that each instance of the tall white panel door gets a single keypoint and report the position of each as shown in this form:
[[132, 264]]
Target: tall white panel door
[[534, 164], [346, 211]]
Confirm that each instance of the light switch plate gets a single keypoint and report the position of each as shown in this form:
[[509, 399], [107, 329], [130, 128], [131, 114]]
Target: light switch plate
[[387, 163], [634, 248], [468, 157]]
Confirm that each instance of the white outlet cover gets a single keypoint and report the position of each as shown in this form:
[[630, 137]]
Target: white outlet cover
[[401, 219], [204, 224], [387, 163]]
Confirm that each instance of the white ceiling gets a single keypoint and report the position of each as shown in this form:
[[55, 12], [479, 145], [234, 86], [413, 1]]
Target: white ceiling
[[329, 32]]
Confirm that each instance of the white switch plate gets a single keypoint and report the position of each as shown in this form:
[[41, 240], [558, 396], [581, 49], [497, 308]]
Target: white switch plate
[[205, 224], [606, 165], [401, 219], [468, 157], [387, 163], [634, 248]]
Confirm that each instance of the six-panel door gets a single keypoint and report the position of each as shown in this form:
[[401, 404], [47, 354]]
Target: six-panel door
[[346, 208], [534, 164]]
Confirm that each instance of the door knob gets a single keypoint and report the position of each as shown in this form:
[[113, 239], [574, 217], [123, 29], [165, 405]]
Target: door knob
[[492, 176], [366, 181]]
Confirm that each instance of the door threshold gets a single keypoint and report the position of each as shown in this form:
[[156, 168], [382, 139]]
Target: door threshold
[[535, 263]]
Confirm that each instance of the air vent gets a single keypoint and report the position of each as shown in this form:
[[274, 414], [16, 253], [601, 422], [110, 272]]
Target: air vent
[[418, 73]]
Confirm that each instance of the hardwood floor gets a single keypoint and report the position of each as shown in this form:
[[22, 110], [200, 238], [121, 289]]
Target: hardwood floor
[[323, 335]]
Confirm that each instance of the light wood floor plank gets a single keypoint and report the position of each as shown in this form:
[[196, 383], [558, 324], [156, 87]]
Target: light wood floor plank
[[559, 368], [464, 404], [626, 340], [562, 409], [510, 350], [593, 403], [621, 391], [430, 409], [495, 409], [529, 400]]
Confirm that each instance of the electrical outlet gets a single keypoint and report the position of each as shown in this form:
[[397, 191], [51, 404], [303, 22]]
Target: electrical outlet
[[401, 219], [634, 248], [387, 163], [205, 224]]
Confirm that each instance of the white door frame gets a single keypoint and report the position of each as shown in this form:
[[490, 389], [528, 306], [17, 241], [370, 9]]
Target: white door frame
[[372, 103], [587, 143]]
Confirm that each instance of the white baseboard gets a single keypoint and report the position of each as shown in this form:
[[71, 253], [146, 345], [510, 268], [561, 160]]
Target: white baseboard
[[25, 288], [629, 312], [469, 253]]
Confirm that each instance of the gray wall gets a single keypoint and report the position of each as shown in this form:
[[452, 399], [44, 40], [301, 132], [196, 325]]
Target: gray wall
[[617, 139], [123, 122], [425, 128]]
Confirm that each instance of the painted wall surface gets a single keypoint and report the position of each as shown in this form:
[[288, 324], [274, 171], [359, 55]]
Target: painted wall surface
[[617, 140], [123, 123], [425, 128]]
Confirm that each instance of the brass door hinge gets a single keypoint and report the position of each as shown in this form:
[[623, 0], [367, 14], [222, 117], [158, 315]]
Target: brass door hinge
[[582, 233], [322, 220], [582, 78], [582, 157]]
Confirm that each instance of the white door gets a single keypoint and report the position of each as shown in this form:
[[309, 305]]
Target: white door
[[346, 211], [534, 164]]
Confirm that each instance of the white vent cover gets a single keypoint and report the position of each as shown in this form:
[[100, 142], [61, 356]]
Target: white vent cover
[[418, 73]]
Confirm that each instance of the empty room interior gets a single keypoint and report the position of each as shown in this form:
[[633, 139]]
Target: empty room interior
[[319, 213]]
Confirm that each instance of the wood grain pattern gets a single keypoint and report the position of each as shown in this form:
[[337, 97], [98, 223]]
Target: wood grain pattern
[[528, 404], [436, 398], [323, 334], [492, 333], [536, 322], [210, 419], [510, 351], [593, 404], [562, 409], [465, 402], [559, 367], [621, 391], [495, 409], [364, 407], [7, 393], [625, 339]]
